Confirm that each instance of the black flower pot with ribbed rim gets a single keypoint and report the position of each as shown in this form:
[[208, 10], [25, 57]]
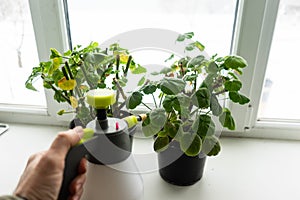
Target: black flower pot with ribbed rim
[[177, 168]]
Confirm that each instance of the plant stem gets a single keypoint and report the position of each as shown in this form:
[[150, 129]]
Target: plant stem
[[68, 78], [221, 92], [117, 66], [127, 65], [146, 106], [160, 101], [154, 100], [119, 88]]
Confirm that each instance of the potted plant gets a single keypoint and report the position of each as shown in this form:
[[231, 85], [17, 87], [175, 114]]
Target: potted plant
[[186, 106], [70, 75]]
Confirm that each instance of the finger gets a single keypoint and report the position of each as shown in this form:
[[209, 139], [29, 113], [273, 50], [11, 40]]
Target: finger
[[77, 196], [65, 140], [77, 184], [82, 166]]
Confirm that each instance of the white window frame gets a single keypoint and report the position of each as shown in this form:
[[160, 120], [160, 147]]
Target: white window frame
[[254, 32], [50, 32], [254, 44]]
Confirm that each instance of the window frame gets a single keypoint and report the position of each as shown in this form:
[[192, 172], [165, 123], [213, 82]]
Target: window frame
[[254, 45], [252, 40], [50, 32]]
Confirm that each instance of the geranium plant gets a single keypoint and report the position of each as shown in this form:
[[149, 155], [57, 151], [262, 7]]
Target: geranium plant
[[72, 73], [187, 98]]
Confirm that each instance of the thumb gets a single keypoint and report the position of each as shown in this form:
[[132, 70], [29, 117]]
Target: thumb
[[65, 140]]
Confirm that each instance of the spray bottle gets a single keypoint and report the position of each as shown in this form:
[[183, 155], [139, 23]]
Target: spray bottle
[[107, 146]]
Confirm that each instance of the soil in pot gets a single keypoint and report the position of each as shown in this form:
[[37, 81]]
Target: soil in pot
[[177, 168]]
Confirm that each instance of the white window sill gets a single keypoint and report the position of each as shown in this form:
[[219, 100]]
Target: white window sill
[[245, 169]]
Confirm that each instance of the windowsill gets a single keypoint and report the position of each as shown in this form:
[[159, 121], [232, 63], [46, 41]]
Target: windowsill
[[245, 168]]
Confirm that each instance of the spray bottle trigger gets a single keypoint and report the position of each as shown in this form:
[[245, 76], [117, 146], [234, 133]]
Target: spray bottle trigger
[[88, 133]]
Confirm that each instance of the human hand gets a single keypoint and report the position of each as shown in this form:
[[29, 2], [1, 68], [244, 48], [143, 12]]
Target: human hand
[[43, 174]]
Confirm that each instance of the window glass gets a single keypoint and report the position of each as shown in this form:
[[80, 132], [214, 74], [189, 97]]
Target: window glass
[[210, 20], [280, 98], [18, 54]]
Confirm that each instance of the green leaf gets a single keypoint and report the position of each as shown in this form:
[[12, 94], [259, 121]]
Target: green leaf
[[171, 85], [226, 119], [204, 126], [184, 36], [191, 144], [172, 129], [54, 53], [58, 96], [68, 53], [139, 70], [134, 100], [235, 62], [154, 122], [233, 75], [56, 76], [238, 98], [162, 133], [196, 61], [215, 106], [181, 103], [168, 103], [199, 46], [61, 112], [211, 146], [30, 86], [189, 35], [170, 58], [201, 98], [142, 81], [123, 81], [234, 85], [161, 143], [158, 117], [149, 89], [180, 38], [212, 67], [190, 47], [165, 70]]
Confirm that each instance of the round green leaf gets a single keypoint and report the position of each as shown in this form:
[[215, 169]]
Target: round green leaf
[[158, 117], [238, 98], [150, 129], [234, 62], [134, 100], [149, 89], [204, 125], [215, 106], [211, 146], [191, 144], [227, 120], [234, 85], [161, 143], [212, 67], [201, 98], [171, 85]]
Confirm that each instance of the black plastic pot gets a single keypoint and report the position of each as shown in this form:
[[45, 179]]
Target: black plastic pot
[[177, 168]]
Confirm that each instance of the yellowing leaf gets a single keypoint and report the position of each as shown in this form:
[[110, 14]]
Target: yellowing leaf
[[124, 58], [65, 84], [74, 102], [84, 88]]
